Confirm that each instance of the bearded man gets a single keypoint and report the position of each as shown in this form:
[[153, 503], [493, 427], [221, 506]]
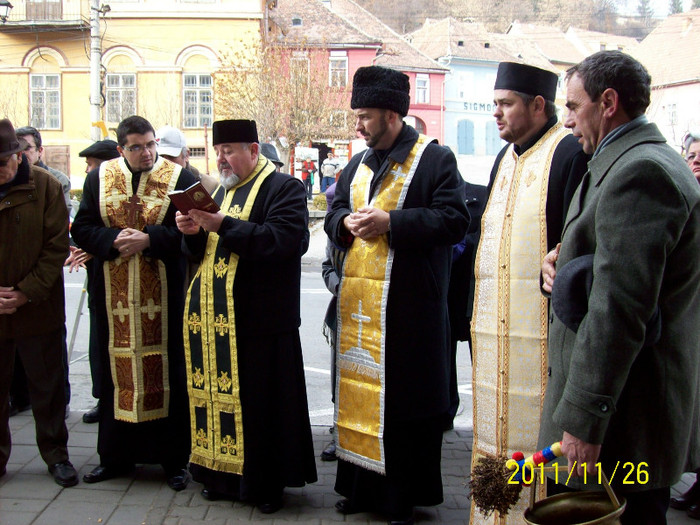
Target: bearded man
[[251, 434]]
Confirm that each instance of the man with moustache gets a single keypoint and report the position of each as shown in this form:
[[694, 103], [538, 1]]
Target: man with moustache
[[251, 434], [127, 222], [398, 209], [532, 182]]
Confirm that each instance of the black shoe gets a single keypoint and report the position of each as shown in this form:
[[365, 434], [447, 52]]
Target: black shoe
[[271, 507], [64, 474], [409, 521], [693, 512], [102, 473], [345, 506], [212, 495], [92, 415], [688, 498], [328, 453], [179, 480]]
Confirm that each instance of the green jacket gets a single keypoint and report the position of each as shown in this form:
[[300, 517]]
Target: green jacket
[[638, 211], [34, 241]]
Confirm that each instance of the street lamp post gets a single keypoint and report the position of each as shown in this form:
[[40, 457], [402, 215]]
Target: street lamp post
[[5, 8]]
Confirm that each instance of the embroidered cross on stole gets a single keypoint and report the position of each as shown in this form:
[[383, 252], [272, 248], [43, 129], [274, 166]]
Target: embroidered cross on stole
[[364, 290], [211, 353], [136, 293]]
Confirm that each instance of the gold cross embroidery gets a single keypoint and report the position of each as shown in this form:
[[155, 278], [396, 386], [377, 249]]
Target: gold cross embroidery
[[198, 377], [133, 207], [235, 212], [194, 323], [221, 324], [151, 308], [228, 445], [202, 440], [220, 268], [224, 382], [120, 311]]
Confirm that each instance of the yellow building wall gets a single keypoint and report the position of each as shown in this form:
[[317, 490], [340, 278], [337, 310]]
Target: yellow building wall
[[157, 40]]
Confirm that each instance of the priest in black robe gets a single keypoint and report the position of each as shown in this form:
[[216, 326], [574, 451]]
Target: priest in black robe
[[126, 221], [251, 434]]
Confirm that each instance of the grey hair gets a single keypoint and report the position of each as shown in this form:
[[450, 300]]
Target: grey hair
[[690, 138]]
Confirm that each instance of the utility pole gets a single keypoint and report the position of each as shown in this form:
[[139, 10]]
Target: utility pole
[[95, 67]]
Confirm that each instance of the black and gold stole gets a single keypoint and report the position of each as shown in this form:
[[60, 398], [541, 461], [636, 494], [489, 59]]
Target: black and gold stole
[[136, 290], [210, 342]]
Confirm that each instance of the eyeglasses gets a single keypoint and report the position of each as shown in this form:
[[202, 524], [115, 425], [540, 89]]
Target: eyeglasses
[[138, 148]]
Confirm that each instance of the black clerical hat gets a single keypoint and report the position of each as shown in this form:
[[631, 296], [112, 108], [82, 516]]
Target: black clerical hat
[[570, 292], [103, 149], [381, 87], [226, 131], [527, 79]]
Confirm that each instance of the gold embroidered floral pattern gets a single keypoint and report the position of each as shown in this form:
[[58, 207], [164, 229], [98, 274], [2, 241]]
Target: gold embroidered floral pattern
[[202, 440], [198, 377], [224, 382], [194, 322], [235, 212], [221, 324], [220, 268], [228, 445]]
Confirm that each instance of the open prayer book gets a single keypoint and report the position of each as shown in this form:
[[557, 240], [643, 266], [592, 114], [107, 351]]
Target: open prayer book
[[193, 197]]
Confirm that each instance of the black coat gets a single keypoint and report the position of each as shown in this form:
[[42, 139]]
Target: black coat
[[433, 218]]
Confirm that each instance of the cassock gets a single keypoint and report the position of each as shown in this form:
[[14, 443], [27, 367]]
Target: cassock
[[251, 433], [393, 328], [138, 303], [529, 194]]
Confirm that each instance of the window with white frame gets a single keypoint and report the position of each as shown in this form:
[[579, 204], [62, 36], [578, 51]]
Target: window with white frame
[[45, 100], [198, 101], [338, 69], [121, 96], [422, 89]]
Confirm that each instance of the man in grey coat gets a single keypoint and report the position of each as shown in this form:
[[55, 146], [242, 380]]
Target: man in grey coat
[[620, 399]]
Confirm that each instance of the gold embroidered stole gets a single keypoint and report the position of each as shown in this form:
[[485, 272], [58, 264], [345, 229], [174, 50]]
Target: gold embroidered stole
[[210, 346], [509, 323], [136, 293], [364, 291]]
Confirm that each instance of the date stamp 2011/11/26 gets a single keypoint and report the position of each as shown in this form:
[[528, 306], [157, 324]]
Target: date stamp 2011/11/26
[[632, 474]]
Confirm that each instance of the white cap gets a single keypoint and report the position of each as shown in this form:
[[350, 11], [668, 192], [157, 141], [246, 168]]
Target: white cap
[[170, 140]]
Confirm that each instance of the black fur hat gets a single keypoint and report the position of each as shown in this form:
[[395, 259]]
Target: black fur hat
[[380, 87]]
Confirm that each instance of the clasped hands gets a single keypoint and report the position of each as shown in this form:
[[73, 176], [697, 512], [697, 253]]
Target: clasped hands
[[367, 223], [190, 223], [11, 299], [131, 241]]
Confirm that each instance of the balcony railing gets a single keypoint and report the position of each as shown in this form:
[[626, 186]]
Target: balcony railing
[[48, 13]]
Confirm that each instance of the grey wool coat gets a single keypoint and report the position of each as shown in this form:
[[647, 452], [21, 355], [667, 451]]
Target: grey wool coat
[[638, 211]]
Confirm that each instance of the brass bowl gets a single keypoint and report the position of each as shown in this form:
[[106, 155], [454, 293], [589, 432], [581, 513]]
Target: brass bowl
[[575, 508]]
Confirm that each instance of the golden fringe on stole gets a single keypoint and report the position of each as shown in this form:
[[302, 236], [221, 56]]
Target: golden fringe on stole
[[137, 293], [363, 295], [215, 393], [509, 324]]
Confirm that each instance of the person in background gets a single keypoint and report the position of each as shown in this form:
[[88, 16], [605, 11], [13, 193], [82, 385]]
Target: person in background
[[692, 153], [94, 155], [308, 168], [329, 169], [269, 152], [34, 240], [172, 146], [331, 269]]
